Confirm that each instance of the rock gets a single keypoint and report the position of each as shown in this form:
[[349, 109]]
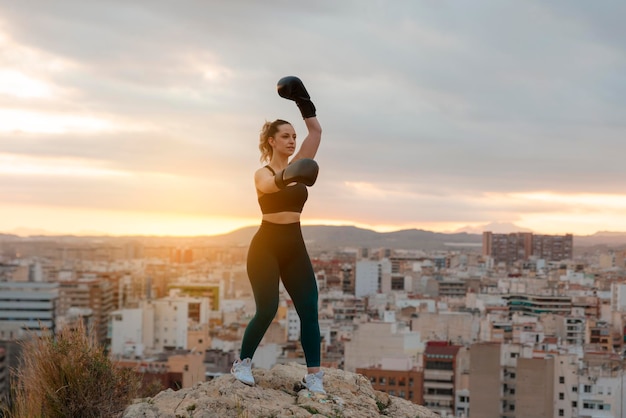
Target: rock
[[278, 394]]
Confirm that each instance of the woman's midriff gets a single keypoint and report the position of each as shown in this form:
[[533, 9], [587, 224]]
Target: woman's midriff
[[282, 217]]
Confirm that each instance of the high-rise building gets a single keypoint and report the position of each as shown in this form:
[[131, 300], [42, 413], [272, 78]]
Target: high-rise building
[[520, 246], [553, 247], [27, 306], [441, 375], [89, 293], [507, 248]]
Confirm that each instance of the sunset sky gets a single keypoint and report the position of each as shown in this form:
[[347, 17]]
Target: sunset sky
[[142, 117]]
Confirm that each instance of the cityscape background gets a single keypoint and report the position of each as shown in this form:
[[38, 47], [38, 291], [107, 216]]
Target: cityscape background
[[490, 325]]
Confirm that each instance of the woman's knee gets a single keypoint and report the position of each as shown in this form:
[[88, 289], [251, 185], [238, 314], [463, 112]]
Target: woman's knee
[[266, 313], [308, 315]]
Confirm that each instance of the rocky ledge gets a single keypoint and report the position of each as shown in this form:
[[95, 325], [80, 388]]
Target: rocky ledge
[[278, 394]]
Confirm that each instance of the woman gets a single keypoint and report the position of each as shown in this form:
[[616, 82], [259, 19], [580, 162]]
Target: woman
[[277, 251]]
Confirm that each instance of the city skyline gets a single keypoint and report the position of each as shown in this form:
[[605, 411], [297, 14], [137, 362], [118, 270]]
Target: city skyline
[[143, 118]]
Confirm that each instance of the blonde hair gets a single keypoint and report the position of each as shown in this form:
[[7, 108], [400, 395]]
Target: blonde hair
[[268, 130]]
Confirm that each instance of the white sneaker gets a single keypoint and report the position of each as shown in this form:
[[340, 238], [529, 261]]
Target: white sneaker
[[313, 382], [242, 370]]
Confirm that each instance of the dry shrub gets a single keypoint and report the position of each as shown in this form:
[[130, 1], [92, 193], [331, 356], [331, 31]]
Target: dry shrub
[[69, 375]]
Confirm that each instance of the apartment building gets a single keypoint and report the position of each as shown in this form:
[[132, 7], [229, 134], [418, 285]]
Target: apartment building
[[397, 377], [369, 276], [507, 248], [600, 334], [199, 290], [532, 394], [566, 394], [372, 341], [522, 381], [538, 304], [520, 246], [460, 327], [553, 247], [618, 297], [449, 288], [493, 379], [172, 317], [89, 293], [27, 307], [573, 330], [441, 374], [158, 325], [602, 385]]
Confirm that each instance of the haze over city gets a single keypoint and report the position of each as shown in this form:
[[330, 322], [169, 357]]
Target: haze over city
[[143, 117]]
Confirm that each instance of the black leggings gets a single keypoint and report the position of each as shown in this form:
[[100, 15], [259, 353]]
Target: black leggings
[[278, 251]]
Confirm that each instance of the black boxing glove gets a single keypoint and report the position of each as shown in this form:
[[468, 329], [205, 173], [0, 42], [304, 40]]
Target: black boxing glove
[[301, 171], [292, 88]]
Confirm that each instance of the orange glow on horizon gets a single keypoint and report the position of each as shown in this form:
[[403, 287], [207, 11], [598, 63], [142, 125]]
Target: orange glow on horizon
[[57, 221], [558, 214]]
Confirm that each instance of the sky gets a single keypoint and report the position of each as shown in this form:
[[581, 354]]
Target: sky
[[143, 117]]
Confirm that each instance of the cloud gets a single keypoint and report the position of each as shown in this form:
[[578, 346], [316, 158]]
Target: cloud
[[432, 111]]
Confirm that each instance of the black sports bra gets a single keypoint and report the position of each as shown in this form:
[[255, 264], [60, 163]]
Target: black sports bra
[[289, 199]]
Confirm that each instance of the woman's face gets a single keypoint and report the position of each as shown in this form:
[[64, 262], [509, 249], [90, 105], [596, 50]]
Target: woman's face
[[284, 142]]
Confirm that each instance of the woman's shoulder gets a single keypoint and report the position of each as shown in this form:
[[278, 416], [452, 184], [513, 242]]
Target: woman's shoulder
[[265, 170]]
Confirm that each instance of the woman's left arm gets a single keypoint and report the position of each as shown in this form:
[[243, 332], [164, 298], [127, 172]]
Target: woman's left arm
[[311, 143], [292, 88]]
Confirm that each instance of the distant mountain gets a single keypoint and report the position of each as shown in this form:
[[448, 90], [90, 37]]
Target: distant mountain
[[337, 237], [607, 238], [495, 227], [25, 232], [324, 236]]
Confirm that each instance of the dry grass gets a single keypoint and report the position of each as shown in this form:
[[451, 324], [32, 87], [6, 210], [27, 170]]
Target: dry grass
[[70, 376]]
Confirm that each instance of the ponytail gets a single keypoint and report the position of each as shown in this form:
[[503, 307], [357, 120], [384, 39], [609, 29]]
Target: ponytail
[[268, 130]]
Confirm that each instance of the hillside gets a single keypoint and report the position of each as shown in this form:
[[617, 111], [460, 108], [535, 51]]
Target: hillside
[[278, 393], [330, 237]]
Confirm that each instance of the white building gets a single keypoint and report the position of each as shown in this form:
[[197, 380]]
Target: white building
[[461, 403], [127, 332], [27, 306], [172, 316], [373, 341], [157, 324], [293, 324], [618, 297], [369, 276], [602, 397], [566, 400]]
